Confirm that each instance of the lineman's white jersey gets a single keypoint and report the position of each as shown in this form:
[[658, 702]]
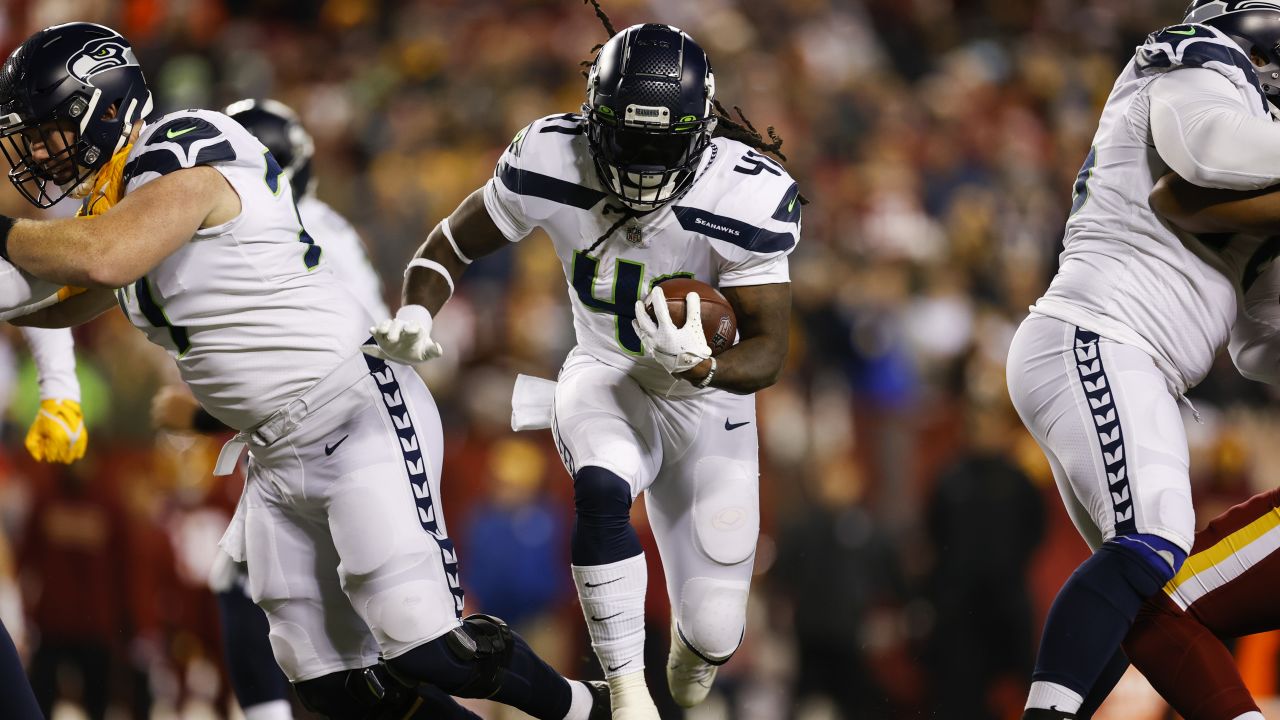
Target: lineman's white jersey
[[249, 309], [344, 252], [734, 226], [1124, 272]]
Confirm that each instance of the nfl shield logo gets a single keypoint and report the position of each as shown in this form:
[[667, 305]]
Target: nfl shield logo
[[634, 236]]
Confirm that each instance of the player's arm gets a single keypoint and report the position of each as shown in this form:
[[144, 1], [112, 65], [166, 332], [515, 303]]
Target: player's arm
[[75, 310], [1206, 134], [121, 245], [57, 434], [467, 234], [1201, 210], [764, 324]]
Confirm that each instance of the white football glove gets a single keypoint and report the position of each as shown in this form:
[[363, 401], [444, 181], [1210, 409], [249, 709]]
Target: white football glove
[[406, 338], [676, 349]]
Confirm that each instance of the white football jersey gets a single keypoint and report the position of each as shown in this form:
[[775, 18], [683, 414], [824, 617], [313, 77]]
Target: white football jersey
[[734, 226], [249, 309], [1124, 272], [344, 252]]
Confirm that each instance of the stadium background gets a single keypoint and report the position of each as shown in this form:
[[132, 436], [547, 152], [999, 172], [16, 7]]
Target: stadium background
[[912, 538]]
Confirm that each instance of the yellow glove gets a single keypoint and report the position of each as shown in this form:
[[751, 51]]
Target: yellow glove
[[58, 434]]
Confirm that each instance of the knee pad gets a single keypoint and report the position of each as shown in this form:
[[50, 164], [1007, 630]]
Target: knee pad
[[1161, 555], [468, 661], [726, 509], [712, 617], [370, 693]]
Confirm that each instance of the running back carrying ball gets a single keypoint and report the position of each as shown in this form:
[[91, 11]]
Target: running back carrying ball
[[718, 322]]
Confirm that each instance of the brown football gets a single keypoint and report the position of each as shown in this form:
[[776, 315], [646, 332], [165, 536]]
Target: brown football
[[718, 322]]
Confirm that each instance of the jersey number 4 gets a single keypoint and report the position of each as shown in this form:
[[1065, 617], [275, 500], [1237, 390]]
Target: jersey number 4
[[627, 283], [273, 177]]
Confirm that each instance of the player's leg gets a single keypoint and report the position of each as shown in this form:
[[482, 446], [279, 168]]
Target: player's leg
[[16, 699], [705, 515], [1225, 589], [259, 686], [399, 567], [609, 441], [1103, 415]]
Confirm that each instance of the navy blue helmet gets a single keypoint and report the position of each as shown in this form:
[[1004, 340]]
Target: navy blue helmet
[[277, 126], [1255, 26], [649, 113], [69, 97]]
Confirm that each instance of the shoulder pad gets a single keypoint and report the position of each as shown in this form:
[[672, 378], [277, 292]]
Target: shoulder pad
[[179, 140], [746, 198], [549, 159], [1192, 45]]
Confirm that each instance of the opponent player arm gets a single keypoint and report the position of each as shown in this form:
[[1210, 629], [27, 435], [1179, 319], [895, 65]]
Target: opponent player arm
[[123, 244], [764, 325], [75, 310], [1204, 131]]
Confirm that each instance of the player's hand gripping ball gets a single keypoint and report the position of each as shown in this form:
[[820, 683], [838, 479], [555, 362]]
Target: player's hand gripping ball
[[58, 434], [406, 338], [692, 326]]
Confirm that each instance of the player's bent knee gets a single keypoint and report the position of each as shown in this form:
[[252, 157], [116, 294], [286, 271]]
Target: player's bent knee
[[726, 513], [601, 493], [1163, 556], [712, 617], [365, 694], [469, 661]]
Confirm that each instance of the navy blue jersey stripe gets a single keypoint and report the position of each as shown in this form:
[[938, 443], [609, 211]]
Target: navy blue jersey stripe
[[742, 234], [154, 314], [564, 129], [527, 182], [1106, 421], [789, 209], [158, 161], [218, 152], [415, 463]]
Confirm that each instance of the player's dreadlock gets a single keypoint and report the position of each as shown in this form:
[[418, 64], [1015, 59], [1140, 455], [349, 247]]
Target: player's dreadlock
[[726, 127]]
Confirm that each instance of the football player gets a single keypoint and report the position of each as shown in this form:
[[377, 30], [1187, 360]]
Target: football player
[[1133, 319], [635, 189], [191, 227], [260, 688]]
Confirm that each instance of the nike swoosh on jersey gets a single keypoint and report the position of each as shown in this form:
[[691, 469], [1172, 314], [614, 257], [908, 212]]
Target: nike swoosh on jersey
[[734, 426], [1192, 31], [171, 134]]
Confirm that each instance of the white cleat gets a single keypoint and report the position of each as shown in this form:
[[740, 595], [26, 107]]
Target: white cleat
[[629, 697], [688, 675]]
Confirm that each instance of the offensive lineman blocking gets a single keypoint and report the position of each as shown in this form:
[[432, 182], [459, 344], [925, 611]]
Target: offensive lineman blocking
[[633, 191], [1133, 319], [191, 227]]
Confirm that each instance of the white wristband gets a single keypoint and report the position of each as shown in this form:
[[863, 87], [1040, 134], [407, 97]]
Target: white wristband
[[415, 314], [448, 235], [430, 265]]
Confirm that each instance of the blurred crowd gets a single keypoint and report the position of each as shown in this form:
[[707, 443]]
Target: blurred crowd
[[911, 536]]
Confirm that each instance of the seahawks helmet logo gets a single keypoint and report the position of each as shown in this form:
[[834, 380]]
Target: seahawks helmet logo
[[98, 56]]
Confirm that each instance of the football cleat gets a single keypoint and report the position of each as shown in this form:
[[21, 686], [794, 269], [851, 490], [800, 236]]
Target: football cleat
[[629, 698], [600, 705], [688, 675]]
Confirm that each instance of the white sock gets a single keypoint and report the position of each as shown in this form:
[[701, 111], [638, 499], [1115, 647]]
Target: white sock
[[580, 704], [1052, 696], [612, 598], [273, 710], [1251, 715], [630, 691]]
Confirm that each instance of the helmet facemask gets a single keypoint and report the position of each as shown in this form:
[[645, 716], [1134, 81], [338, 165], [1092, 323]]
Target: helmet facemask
[[647, 131], [49, 157]]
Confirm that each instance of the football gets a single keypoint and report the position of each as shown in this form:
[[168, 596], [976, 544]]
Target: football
[[718, 322]]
